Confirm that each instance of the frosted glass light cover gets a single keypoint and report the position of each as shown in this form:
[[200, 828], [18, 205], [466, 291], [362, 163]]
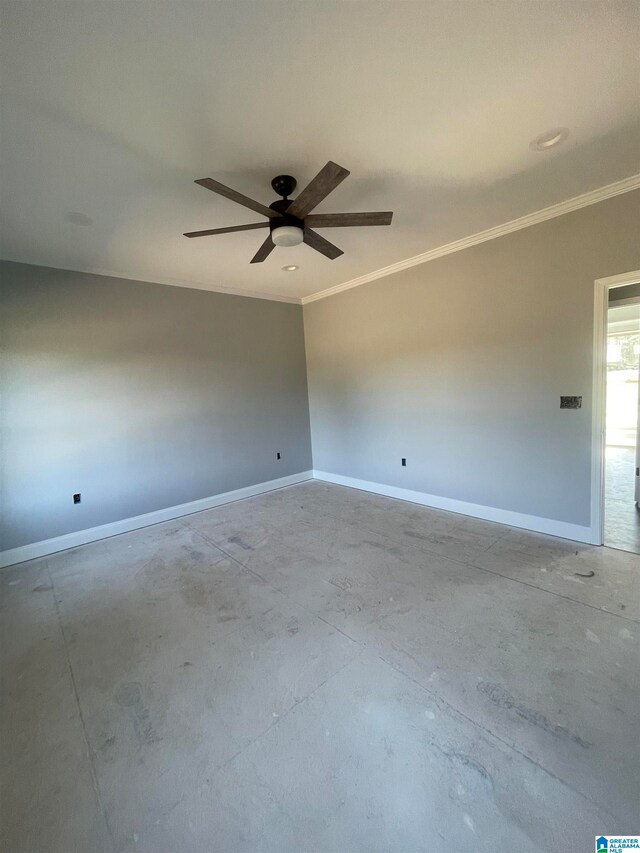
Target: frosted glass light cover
[[287, 235]]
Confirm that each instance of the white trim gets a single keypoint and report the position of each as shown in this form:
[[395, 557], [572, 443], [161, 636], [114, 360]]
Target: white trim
[[104, 531], [173, 282], [563, 529], [592, 197], [602, 286]]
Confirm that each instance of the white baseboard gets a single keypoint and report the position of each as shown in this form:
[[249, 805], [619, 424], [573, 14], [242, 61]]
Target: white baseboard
[[563, 529], [126, 525]]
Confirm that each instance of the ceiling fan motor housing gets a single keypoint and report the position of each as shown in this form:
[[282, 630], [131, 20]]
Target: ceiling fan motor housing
[[289, 227]]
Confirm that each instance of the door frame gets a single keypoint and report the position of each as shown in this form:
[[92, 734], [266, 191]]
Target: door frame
[[598, 429]]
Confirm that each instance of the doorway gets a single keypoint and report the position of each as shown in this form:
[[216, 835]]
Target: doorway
[[616, 469], [621, 513]]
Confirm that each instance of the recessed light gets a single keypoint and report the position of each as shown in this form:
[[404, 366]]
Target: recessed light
[[549, 139], [290, 268], [78, 218]]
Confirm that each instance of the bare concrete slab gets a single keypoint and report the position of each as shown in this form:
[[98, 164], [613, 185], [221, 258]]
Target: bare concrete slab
[[320, 669], [49, 799]]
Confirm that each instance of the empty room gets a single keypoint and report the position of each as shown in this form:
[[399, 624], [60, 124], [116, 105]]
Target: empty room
[[319, 340]]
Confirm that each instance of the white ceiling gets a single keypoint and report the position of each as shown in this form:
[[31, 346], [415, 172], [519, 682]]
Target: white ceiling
[[112, 109]]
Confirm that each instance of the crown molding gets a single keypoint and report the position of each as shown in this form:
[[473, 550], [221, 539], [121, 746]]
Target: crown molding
[[173, 282], [584, 200]]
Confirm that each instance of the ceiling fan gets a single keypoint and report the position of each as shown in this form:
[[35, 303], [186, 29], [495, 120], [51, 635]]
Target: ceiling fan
[[291, 222]]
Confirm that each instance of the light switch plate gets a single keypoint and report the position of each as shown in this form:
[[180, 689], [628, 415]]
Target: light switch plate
[[570, 402]]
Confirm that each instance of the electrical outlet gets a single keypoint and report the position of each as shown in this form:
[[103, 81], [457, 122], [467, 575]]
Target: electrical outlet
[[278, 455], [404, 462], [76, 498]]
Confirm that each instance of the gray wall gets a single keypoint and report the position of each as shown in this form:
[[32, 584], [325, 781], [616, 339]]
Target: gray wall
[[459, 364], [140, 396]]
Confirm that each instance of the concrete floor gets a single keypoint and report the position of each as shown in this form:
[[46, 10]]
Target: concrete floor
[[621, 515], [318, 669]]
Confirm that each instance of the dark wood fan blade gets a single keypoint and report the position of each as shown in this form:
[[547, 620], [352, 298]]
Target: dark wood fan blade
[[226, 230], [324, 182], [321, 245], [264, 251], [227, 192], [340, 220]]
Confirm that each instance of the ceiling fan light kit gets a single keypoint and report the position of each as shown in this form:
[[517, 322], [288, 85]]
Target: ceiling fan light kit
[[287, 235], [290, 221]]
